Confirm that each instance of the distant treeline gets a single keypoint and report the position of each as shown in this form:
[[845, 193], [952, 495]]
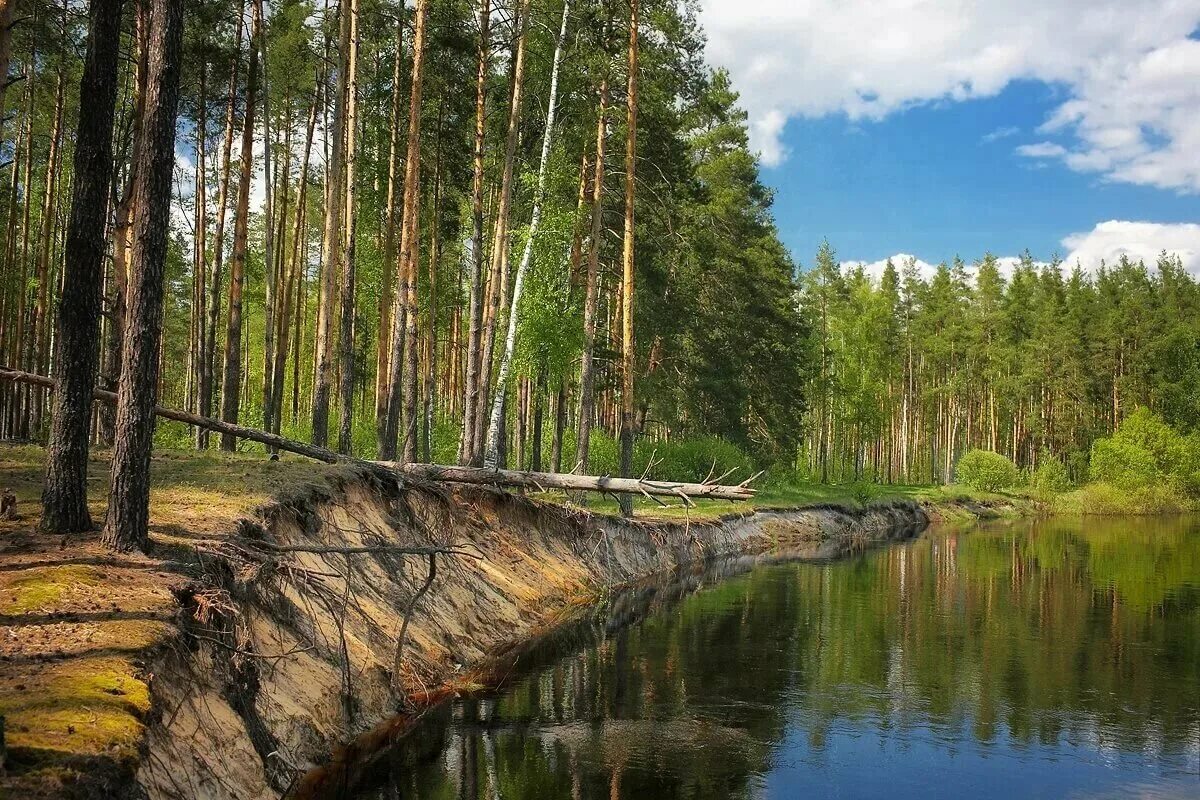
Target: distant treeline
[[910, 372]]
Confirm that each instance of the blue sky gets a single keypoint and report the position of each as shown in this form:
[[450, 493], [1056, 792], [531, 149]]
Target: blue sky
[[938, 128], [944, 179]]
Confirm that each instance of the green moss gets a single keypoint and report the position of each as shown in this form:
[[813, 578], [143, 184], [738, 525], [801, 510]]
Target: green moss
[[81, 707], [40, 589]]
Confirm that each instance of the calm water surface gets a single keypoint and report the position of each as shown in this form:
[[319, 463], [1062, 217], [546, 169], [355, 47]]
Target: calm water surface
[[1049, 659]]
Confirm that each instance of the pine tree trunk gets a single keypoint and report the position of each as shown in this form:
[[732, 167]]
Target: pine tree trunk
[[499, 267], [510, 341], [387, 283], [402, 365], [627, 345], [129, 500], [472, 380], [295, 279], [587, 370], [41, 328], [270, 273], [346, 326], [200, 243], [64, 494], [7, 8], [431, 338], [331, 252], [213, 310], [231, 383]]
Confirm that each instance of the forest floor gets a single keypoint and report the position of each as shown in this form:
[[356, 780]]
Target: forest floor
[[79, 624]]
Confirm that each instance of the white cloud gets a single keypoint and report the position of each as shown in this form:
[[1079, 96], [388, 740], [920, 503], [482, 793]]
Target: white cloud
[[1000, 133], [1138, 240], [1042, 150], [1105, 243], [874, 269], [1130, 74]]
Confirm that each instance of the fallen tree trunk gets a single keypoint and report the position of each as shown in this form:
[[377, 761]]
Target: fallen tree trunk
[[238, 431], [541, 481], [538, 481]]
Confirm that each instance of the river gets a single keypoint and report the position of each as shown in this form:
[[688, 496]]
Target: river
[[1054, 658]]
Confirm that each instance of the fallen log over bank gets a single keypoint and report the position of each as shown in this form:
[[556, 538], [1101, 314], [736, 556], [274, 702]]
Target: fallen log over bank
[[541, 481], [502, 478]]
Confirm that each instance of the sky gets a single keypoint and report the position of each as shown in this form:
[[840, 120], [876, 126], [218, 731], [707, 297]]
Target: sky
[[939, 128]]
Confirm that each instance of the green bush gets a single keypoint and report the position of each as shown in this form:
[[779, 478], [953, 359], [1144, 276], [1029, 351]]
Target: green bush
[[1105, 499], [1050, 477], [862, 492], [986, 471], [1144, 452]]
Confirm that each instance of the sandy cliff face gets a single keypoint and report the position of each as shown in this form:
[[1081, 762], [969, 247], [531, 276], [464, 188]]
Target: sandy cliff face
[[286, 663]]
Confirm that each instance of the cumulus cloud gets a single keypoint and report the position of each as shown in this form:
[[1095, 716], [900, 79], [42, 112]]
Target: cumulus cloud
[[874, 269], [1142, 241], [1128, 69], [1103, 244]]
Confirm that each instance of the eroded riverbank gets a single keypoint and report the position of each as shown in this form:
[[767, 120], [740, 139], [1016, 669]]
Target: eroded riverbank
[[290, 663], [259, 672]]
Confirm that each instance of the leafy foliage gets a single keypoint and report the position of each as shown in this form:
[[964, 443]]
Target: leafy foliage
[[987, 471]]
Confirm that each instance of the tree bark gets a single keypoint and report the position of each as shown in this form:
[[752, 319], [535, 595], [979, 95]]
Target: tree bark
[[472, 379], [129, 499], [402, 378], [64, 494], [587, 369], [208, 368], [41, 329], [331, 252], [295, 278], [496, 282], [231, 383], [346, 329], [270, 273], [627, 345], [387, 289], [491, 456]]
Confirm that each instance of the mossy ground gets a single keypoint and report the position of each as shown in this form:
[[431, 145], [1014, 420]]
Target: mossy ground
[[78, 623]]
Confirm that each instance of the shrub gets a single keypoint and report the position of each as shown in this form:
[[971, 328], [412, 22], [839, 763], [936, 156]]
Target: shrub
[[862, 492], [986, 471], [1105, 499], [1145, 452], [1050, 478]]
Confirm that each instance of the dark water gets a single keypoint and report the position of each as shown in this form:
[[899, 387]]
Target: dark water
[[1050, 659]]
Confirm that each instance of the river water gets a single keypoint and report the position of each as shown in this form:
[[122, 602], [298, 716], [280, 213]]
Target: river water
[[1030, 659]]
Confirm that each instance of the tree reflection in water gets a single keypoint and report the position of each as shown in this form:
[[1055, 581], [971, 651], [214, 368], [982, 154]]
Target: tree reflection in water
[[1023, 659]]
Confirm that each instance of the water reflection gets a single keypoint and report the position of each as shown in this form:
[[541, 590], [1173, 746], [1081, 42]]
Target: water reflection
[[1035, 659]]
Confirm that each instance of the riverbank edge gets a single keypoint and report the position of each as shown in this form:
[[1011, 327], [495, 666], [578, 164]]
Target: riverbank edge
[[250, 694]]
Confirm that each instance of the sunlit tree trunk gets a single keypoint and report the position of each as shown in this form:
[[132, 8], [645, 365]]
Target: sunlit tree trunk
[[496, 283], [491, 455], [346, 329], [402, 365], [231, 384], [208, 368], [587, 370], [471, 378], [387, 282], [628, 359], [331, 249]]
